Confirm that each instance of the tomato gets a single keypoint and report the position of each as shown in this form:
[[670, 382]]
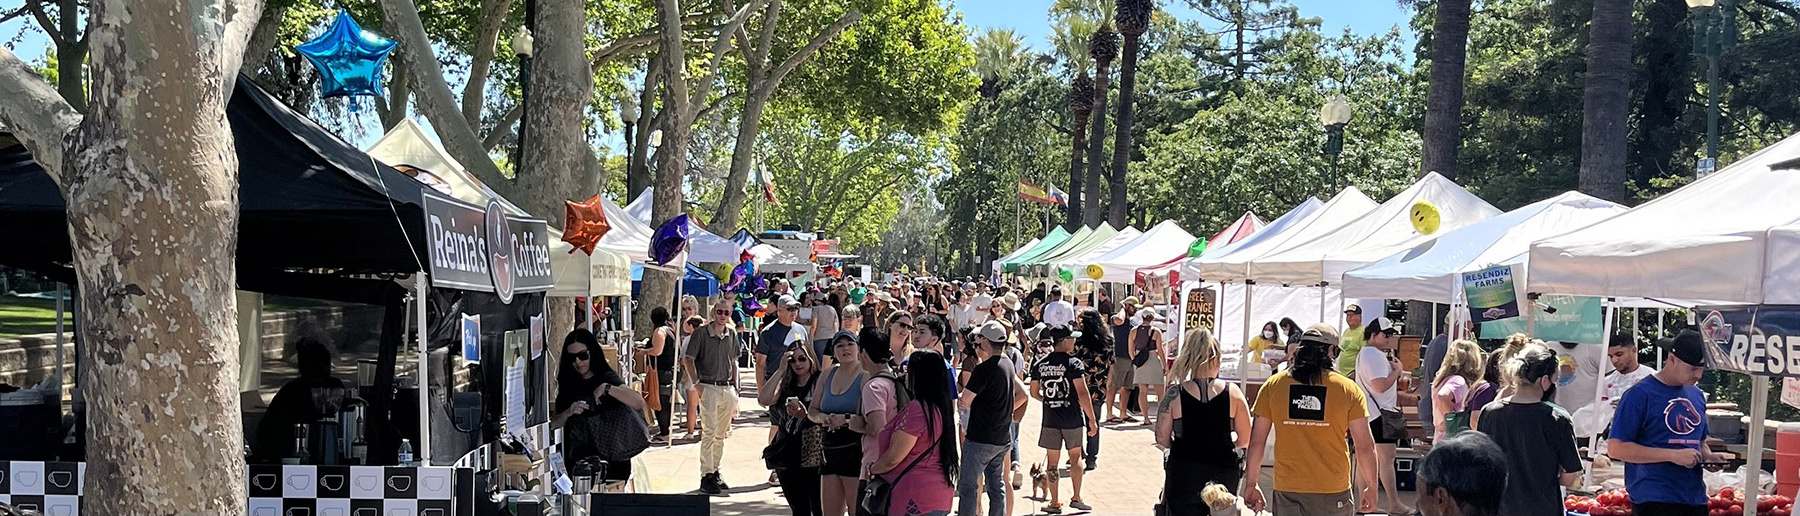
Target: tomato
[[1781, 511], [1728, 493]]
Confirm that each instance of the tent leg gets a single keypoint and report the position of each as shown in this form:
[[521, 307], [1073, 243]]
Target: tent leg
[[1659, 334], [1610, 315], [1243, 364], [59, 339], [1759, 407], [424, 449], [1432, 332], [669, 441]]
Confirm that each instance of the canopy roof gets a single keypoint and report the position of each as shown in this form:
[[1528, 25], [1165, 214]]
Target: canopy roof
[[1382, 232], [1050, 243], [1118, 240], [1729, 237], [1429, 271], [1233, 263], [407, 145], [1040, 266], [628, 236], [703, 246], [1244, 226], [1191, 266], [1163, 242], [695, 281]]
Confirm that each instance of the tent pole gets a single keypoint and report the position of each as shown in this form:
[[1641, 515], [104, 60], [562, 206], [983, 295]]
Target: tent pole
[[1243, 369], [1659, 334], [669, 441], [1609, 315], [424, 448], [1759, 407], [589, 305], [1432, 331], [59, 339]]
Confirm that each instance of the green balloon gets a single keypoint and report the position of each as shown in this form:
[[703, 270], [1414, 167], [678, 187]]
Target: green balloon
[[1197, 248], [1066, 275]]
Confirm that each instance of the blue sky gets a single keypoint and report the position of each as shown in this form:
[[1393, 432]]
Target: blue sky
[[1031, 17]]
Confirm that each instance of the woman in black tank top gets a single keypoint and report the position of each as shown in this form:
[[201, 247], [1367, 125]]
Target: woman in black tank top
[[1210, 450]]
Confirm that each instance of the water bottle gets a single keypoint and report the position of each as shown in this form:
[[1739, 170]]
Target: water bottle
[[406, 452]]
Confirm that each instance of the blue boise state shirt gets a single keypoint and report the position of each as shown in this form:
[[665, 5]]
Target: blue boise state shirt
[[1657, 415]]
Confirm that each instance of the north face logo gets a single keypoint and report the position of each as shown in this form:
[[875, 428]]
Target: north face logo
[[1308, 403]]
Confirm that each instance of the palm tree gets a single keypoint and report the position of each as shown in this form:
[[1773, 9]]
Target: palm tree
[[1605, 101], [996, 56], [1133, 19], [1444, 95], [1103, 47], [1072, 32]]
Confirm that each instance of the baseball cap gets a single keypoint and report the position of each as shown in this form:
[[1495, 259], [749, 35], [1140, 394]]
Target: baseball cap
[[1058, 333], [1382, 324], [1688, 346], [1320, 334], [786, 301], [993, 331], [1353, 309]]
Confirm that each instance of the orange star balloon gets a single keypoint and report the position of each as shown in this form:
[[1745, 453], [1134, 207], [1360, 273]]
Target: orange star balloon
[[584, 223]]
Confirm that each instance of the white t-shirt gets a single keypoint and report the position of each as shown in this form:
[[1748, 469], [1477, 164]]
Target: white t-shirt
[[1617, 383], [825, 322], [1059, 314], [1590, 362], [960, 315], [1372, 363]]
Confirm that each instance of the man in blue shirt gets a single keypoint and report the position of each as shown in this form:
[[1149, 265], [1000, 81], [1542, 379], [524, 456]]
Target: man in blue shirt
[[1659, 432]]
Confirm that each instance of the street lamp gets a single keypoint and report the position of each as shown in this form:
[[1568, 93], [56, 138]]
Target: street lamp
[[521, 45], [1715, 33], [1335, 114], [628, 113]]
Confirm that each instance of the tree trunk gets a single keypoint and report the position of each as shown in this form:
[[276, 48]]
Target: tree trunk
[[1606, 100], [1077, 171], [743, 151], [1444, 95], [1122, 128], [71, 56], [637, 169], [151, 184], [487, 35], [263, 41], [1096, 148], [555, 156], [1657, 137]]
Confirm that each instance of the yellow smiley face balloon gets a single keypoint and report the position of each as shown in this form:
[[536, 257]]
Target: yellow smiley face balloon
[[1094, 272], [1424, 216]]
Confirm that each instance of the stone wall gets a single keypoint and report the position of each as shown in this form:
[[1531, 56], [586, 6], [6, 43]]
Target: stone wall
[[29, 359]]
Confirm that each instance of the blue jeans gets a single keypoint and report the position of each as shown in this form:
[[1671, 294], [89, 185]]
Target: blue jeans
[[1015, 442], [980, 459]]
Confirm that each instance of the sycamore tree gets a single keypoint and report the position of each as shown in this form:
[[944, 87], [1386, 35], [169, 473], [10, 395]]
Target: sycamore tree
[[844, 179], [149, 173]]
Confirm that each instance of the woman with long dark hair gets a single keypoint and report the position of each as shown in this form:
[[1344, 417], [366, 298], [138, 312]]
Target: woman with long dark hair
[[586, 384], [798, 447], [918, 454], [1095, 349], [661, 352]]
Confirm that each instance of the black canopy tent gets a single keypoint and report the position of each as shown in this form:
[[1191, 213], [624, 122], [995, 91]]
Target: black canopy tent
[[318, 218]]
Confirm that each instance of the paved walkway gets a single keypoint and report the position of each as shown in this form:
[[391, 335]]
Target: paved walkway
[[1127, 482]]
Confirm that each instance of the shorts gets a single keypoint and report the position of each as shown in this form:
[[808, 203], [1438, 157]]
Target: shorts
[[1151, 373], [1062, 438], [842, 454], [1312, 504], [1375, 431], [1121, 373]]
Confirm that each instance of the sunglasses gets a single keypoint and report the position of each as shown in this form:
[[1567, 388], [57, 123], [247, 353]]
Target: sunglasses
[[905, 326], [721, 312], [796, 360], [581, 355]]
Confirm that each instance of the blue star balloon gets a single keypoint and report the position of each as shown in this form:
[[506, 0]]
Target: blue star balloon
[[348, 57]]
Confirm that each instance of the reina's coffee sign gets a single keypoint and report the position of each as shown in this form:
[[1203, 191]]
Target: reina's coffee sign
[[459, 237]]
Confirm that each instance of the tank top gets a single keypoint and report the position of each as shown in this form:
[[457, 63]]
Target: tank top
[[845, 403], [1208, 442], [671, 348]]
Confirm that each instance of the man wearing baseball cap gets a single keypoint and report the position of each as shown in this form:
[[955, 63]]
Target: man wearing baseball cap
[[1310, 407], [1059, 380], [997, 393], [772, 342], [1353, 340], [1659, 431]]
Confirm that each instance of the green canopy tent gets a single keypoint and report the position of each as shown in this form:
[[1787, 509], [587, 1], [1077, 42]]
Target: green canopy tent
[[1043, 266], [1016, 265]]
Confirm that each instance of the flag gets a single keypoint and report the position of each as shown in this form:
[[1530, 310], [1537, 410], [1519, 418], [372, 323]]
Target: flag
[[1034, 193], [1062, 199], [768, 186]]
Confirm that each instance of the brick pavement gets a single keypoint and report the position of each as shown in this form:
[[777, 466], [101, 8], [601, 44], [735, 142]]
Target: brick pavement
[[1127, 482]]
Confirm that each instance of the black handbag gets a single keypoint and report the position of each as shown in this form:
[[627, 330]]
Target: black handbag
[[785, 452], [879, 493], [611, 431], [1393, 424]]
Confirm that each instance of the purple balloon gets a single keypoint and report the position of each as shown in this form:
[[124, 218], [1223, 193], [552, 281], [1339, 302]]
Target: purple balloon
[[670, 240]]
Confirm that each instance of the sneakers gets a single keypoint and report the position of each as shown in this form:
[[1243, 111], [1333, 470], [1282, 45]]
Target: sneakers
[[712, 484], [1053, 509], [1080, 505]]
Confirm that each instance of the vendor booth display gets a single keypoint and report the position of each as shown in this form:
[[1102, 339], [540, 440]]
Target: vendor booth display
[[1161, 243]]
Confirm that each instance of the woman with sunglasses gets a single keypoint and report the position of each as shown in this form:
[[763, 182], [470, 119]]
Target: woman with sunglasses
[[834, 402], [899, 330], [796, 453], [585, 384]]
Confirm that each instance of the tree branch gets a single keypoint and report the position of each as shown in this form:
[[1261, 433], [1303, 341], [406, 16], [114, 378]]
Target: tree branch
[[43, 19], [807, 51], [487, 35], [503, 128], [35, 113], [721, 46], [21, 11], [716, 104], [435, 99]]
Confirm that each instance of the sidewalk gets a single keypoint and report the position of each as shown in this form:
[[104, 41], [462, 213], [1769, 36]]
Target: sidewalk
[[1127, 482]]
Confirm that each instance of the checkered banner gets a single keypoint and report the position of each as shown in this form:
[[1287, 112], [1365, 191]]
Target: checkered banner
[[287, 490], [52, 488]]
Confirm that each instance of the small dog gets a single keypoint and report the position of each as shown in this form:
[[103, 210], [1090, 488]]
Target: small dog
[[1042, 481], [1222, 502]]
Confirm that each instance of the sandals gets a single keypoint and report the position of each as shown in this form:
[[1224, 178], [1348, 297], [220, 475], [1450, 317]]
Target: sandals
[[1114, 420]]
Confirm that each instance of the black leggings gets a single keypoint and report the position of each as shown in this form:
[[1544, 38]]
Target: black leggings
[[801, 487], [667, 391]]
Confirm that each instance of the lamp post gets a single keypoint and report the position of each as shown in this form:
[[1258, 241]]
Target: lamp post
[[1715, 33], [1335, 114], [628, 114], [521, 45]]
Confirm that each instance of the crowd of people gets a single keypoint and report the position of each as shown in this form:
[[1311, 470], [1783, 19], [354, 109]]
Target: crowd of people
[[907, 398]]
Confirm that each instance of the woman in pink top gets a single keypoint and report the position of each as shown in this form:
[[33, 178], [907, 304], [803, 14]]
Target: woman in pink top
[[917, 455], [1450, 391]]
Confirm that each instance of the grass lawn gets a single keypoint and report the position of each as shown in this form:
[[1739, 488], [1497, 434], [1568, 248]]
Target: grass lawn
[[26, 316]]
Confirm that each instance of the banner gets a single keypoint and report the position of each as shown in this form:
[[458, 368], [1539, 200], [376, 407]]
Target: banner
[[1034, 193], [1758, 340], [1577, 319], [1490, 294], [1201, 310], [457, 236]]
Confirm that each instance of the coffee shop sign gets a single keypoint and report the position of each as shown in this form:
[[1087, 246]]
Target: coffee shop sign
[[458, 236]]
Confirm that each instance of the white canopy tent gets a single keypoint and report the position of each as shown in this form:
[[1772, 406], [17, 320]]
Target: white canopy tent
[[1432, 270], [1382, 232], [1163, 242], [575, 275], [1077, 260], [1190, 267], [703, 246], [1233, 264], [1728, 237]]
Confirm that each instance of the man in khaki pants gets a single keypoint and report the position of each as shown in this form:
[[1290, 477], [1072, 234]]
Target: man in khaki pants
[[712, 356]]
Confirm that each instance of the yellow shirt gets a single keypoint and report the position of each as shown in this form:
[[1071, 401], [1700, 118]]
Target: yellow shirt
[[1348, 346], [1257, 346], [1311, 423]]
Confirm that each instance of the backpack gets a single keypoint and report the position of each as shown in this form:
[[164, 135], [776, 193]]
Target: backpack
[[902, 395]]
